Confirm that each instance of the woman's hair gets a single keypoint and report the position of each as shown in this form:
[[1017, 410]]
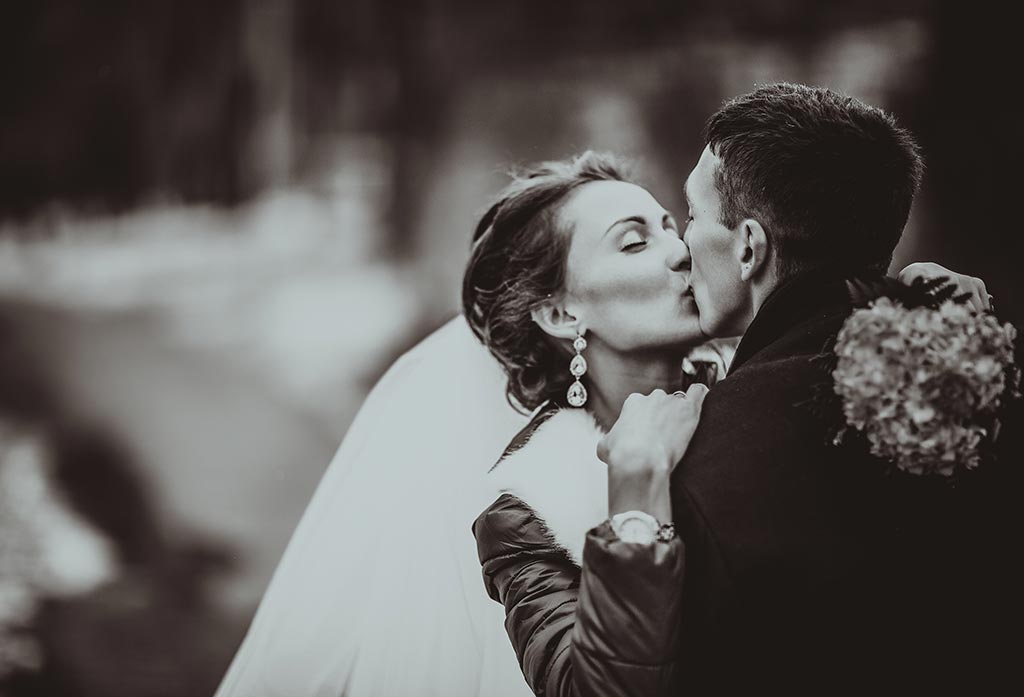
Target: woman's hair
[[518, 262]]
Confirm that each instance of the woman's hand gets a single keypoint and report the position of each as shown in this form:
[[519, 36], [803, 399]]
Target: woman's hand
[[643, 447], [970, 285]]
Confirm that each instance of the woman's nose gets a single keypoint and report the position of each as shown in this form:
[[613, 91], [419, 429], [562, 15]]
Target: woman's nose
[[679, 257]]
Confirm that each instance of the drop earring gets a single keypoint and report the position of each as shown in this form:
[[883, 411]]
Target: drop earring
[[577, 394]]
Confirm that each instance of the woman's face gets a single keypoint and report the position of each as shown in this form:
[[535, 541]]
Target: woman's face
[[628, 270]]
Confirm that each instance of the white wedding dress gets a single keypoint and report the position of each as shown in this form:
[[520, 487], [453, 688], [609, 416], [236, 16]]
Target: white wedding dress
[[379, 593]]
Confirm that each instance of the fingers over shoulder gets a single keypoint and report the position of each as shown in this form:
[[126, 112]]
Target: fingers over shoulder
[[697, 390]]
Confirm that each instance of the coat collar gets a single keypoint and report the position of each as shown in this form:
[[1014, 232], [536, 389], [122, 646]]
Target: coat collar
[[553, 469], [810, 296]]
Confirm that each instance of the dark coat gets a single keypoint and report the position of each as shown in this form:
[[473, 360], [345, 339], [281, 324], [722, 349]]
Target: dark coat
[[809, 567]]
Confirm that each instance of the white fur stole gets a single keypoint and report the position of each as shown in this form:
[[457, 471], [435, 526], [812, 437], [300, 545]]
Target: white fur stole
[[558, 475]]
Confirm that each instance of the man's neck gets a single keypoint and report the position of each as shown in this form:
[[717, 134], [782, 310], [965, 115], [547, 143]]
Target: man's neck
[[760, 291], [791, 302]]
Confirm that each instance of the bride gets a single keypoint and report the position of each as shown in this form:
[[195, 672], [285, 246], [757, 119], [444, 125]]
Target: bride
[[379, 591]]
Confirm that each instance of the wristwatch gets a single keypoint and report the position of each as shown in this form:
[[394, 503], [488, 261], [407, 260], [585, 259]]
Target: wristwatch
[[641, 528]]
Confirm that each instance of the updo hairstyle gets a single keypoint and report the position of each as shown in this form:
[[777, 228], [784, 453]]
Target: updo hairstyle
[[518, 262]]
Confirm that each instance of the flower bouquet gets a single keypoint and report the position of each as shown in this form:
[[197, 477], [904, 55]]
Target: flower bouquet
[[919, 376]]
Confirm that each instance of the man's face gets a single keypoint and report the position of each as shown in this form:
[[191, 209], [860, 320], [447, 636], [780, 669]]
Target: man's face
[[717, 253]]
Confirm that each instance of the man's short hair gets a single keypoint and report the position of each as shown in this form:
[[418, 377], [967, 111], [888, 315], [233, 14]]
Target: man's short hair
[[829, 177]]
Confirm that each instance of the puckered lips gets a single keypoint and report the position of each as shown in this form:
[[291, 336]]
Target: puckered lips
[[687, 291]]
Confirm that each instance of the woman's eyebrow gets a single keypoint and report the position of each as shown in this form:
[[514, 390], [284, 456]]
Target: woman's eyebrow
[[629, 219]]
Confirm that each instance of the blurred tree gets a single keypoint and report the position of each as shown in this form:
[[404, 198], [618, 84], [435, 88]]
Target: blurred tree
[[107, 104], [114, 103]]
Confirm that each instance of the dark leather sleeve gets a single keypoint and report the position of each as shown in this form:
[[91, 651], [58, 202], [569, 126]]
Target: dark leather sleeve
[[608, 629]]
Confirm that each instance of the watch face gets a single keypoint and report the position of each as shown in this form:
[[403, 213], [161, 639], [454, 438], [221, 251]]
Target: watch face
[[636, 529]]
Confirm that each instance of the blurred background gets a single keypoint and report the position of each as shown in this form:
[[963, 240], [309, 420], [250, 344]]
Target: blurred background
[[221, 221]]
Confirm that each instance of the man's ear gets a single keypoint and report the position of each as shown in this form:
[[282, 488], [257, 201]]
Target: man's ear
[[556, 320], [753, 250]]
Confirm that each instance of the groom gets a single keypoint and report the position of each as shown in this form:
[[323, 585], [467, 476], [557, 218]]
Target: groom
[[807, 570]]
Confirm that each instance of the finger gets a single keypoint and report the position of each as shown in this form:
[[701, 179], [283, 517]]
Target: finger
[[986, 299], [973, 300], [982, 296], [964, 287], [978, 296], [697, 390], [943, 279], [633, 398], [696, 394], [912, 272]]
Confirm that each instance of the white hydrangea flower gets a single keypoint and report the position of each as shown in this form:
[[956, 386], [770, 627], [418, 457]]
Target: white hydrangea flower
[[919, 383]]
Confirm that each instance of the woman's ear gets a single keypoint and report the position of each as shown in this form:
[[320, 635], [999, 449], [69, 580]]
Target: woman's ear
[[555, 320], [754, 250]]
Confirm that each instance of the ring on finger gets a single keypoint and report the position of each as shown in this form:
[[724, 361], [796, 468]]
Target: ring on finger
[[678, 393]]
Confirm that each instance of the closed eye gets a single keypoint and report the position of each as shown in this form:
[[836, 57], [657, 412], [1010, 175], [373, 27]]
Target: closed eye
[[633, 246], [632, 240]]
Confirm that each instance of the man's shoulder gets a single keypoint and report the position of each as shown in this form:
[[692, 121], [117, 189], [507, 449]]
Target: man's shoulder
[[757, 422], [764, 391], [761, 446], [760, 464]]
